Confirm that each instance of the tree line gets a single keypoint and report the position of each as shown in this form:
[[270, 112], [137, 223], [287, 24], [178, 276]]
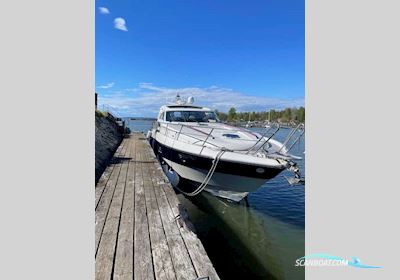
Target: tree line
[[286, 115]]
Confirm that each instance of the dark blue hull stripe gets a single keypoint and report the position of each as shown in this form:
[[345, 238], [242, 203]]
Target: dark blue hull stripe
[[198, 162]]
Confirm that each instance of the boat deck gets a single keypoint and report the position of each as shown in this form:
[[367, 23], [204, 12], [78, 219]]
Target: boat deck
[[142, 231]]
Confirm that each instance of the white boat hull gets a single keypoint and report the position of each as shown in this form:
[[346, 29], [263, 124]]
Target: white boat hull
[[219, 181]]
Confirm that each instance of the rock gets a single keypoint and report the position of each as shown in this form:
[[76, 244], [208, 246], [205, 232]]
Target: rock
[[108, 137]]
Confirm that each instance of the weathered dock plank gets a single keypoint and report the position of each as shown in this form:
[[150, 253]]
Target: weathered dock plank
[[123, 266], [143, 263], [105, 177], [105, 201], [182, 263], [106, 252], [198, 254], [142, 232], [181, 259], [163, 267]]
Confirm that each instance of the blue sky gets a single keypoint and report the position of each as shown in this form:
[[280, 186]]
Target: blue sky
[[247, 54]]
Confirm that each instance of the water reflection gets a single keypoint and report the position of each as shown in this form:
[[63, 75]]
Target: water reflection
[[242, 242]]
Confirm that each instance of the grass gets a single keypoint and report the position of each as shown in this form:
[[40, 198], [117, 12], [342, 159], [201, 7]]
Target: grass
[[101, 114]]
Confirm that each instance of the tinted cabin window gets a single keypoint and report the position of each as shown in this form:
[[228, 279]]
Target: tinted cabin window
[[191, 116]]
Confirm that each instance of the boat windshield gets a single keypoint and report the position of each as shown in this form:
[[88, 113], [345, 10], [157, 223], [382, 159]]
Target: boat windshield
[[191, 116]]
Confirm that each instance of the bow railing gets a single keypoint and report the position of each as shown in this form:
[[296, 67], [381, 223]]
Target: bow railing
[[203, 135]]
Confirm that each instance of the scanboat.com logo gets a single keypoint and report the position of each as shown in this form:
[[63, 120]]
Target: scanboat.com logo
[[329, 260]]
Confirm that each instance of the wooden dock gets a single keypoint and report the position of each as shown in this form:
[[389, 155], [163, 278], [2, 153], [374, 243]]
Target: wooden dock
[[142, 231]]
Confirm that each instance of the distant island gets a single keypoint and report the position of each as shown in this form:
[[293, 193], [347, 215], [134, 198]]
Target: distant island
[[287, 115], [140, 118]]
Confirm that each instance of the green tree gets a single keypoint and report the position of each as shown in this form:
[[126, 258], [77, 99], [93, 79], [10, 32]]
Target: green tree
[[287, 114], [221, 115], [295, 115], [232, 114], [302, 114], [252, 116], [272, 115]]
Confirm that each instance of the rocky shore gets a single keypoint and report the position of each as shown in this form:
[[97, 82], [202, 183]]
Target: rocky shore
[[108, 137]]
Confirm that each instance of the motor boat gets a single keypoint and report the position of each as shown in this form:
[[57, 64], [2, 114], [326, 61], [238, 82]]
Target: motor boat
[[229, 162]]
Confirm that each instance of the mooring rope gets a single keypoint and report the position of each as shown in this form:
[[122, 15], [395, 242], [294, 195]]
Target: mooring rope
[[208, 176]]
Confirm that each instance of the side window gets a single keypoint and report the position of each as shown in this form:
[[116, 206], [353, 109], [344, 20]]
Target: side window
[[174, 116]]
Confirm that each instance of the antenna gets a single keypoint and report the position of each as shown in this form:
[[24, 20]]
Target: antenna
[[178, 100]]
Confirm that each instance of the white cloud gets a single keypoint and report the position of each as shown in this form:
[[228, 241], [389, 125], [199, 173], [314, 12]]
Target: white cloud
[[132, 89], [109, 85], [104, 10], [147, 100], [119, 23]]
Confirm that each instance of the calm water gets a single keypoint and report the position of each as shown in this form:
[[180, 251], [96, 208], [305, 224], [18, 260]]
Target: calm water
[[257, 239]]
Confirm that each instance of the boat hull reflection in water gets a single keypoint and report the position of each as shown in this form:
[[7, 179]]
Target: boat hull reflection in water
[[244, 243]]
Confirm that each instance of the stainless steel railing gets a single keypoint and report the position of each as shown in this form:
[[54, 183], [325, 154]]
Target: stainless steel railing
[[179, 130], [274, 153], [291, 136]]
